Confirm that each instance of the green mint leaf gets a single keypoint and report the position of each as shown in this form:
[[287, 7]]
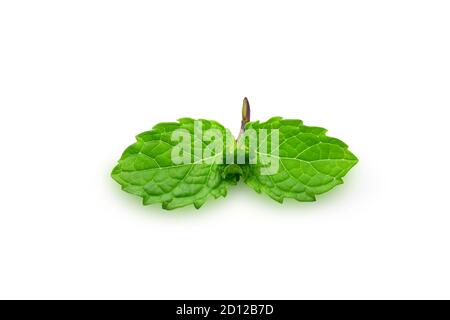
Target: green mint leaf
[[146, 168], [310, 163]]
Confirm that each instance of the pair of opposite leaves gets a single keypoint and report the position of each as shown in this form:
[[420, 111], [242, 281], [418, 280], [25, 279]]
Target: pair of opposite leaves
[[310, 163]]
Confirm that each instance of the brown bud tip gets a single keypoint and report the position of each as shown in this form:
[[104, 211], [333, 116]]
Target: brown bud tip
[[245, 111]]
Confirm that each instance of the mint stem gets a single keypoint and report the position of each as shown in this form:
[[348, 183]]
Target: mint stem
[[245, 116]]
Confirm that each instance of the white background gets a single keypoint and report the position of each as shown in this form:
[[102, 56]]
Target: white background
[[79, 79]]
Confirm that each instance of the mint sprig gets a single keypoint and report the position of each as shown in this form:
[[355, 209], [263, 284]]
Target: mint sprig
[[308, 162]]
